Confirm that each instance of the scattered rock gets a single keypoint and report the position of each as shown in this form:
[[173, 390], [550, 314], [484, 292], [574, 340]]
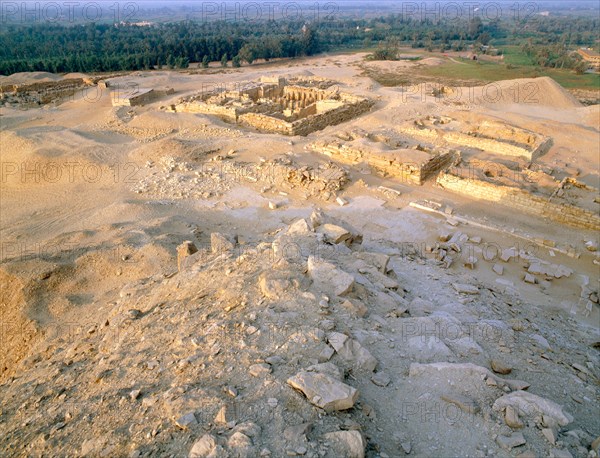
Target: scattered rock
[[354, 353], [184, 250], [316, 218], [328, 277], [328, 369], [355, 307], [420, 307], [381, 379], [499, 368], [510, 442], [133, 314], [337, 340], [341, 201], [511, 418], [273, 286], [324, 391], [203, 447], [225, 416], [220, 244], [334, 234], [406, 447], [378, 260], [299, 227], [560, 453], [347, 444], [551, 434], [531, 404], [530, 279], [527, 454], [444, 236], [240, 445], [186, 420], [471, 262], [260, 369], [540, 341], [462, 402], [498, 268], [325, 354], [507, 254], [465, 289], [293, 433]]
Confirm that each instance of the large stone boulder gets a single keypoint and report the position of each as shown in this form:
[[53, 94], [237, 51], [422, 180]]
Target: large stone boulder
[[324, 391], [327, 277]]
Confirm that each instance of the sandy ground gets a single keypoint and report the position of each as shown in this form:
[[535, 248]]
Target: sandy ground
[[95, 200]]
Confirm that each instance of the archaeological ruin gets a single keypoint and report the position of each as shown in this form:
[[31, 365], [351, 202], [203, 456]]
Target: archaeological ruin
[[275, 106], [499, 139], [136, 96], [414, 165], [568, 201]]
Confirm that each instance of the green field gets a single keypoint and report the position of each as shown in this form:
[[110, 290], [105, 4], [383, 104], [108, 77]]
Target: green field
[[468, 70]]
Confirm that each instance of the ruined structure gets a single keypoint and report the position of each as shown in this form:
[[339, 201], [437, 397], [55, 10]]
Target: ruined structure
[[490, 136], [134, 96], [411, 165], [130, 98], [43, 92], [569, 202], [274, 106]]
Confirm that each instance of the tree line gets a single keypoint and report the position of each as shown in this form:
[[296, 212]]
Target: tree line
[[105, 47]]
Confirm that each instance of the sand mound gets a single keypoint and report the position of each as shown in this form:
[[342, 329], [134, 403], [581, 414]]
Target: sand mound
[[75, 75], [542, 91], [31, 77]]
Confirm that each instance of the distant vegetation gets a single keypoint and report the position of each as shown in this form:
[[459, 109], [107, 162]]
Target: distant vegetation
[[544, 41]]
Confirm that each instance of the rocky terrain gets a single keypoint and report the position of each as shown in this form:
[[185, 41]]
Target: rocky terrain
[[188, 288], [315, 343]]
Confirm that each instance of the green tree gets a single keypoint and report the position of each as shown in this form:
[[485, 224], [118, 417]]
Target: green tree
[[170, 61], [224, 60], [236, 61], [205, 61], [248, 53]]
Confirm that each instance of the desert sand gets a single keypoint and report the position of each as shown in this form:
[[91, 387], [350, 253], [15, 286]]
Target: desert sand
[[109, 348]]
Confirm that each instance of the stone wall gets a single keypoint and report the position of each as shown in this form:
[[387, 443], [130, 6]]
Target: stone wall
[[48, 86], [521, 200], [507, 143], [351, 108], [120, 98], [223, 112], [44, 92], [410, 166], [288, 110], [305, 126], [266, 123]]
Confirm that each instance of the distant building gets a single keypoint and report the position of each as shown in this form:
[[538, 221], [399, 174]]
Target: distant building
[[590, 56]]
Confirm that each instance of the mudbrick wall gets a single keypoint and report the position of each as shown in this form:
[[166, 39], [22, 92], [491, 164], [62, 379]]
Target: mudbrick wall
[[44, 92], [352, 107], [391, 163], [521, 200], [267, 123], [227, 113], [503, 148]]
